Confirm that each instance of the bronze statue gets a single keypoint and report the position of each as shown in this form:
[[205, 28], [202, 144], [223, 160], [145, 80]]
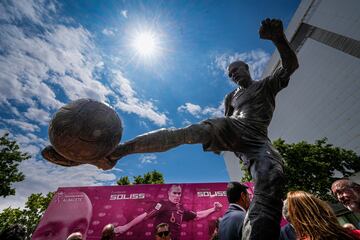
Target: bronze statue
[[243, 130]]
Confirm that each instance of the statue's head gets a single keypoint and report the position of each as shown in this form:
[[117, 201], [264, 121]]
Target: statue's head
[[175, 194], [239, 73]]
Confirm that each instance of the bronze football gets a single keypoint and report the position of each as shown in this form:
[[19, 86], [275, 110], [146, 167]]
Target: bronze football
[[85, 131]]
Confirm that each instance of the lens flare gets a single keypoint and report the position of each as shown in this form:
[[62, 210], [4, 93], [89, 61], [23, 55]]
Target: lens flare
[[146, 44]]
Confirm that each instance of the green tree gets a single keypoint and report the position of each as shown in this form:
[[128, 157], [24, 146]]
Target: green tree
[[312, 167], [123, 181], [10, 158], [247, 176], [28, 217], [153, 177]]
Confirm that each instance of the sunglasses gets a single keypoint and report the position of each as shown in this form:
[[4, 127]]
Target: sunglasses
[[163, 234]]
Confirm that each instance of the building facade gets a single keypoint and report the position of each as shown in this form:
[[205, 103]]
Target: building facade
[[323, 96]]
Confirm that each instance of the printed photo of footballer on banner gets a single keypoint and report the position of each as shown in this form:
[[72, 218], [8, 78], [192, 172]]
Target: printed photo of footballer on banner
[[189, 210]]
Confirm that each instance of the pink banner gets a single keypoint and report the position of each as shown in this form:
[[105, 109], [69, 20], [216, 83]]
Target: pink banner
[[190, 210]]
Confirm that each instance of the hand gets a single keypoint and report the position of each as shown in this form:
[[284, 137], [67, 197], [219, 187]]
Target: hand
[[272, 30], [217, 206], [120, 229]]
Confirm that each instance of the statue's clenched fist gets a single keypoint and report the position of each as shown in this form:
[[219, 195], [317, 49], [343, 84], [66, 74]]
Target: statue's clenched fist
[[271, 29]]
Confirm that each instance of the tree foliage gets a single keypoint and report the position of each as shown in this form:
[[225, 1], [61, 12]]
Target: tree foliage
[[28, 217], [10, 158], [123, 181], [153, 177], [314, 167]]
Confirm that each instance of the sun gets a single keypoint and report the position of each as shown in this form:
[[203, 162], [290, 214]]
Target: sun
[[146, 44]]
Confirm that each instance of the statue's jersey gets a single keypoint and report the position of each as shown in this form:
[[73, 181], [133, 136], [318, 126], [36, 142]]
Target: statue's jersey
[[172, 214], [244, 130]]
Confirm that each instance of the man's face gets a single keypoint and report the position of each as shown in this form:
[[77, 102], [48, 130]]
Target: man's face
[[347, 196], [245, 200], [175, 194], [65, 218], [239, 73], [163, 233]]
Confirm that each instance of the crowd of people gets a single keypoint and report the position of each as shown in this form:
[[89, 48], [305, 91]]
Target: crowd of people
[[308, 217]]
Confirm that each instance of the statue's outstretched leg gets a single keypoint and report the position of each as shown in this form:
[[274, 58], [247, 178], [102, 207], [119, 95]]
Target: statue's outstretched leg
[[162, 140], [50, 154]]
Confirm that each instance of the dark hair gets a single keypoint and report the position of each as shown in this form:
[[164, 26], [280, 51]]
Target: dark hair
[[161, 225], [234, 190]]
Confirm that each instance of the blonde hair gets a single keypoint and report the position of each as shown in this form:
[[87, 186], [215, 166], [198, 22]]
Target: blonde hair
[[313, 218]]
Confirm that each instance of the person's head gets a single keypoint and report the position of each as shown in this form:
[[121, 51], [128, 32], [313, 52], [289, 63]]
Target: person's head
[[239, 73], [313, 218], [67, 213], [175, 194], [108, 232], [162, 231], [348, 193], [75, 236], [237, 193]]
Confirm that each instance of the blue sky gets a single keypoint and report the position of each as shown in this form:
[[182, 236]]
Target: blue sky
[[52, 52]]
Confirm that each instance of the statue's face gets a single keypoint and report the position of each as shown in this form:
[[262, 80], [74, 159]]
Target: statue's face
[[348, 196], [239, 73], [175, 194]]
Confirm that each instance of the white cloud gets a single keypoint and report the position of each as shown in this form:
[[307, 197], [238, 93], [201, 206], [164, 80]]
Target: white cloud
[[38, 115], [29, 139], [124, 13], [38, 173], [32, 10], [202, 112], [215, 112], [148, 158], [186, 122], [28, 142], [108, 32], [256, 59], [34, 66], [22, 125], [131, 103], [193, 109]]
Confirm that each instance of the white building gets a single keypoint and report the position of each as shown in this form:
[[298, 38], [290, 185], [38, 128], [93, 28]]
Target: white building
[[323, 96]]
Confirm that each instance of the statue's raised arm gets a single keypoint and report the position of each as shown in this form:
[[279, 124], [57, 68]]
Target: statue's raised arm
[[273, 30]]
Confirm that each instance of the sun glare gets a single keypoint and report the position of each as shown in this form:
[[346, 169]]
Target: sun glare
[[146, 44]]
